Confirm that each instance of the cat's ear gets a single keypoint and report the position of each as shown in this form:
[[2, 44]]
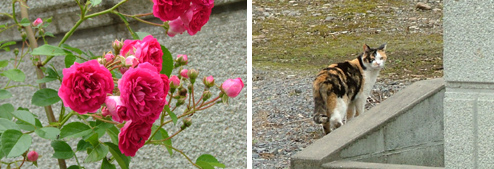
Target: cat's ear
[[382, 47], [366, 48]]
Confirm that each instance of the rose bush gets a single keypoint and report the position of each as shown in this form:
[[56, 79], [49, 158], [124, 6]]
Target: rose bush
[[125, 94]]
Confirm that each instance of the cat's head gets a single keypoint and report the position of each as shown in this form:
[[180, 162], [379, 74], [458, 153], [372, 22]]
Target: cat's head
[[374, 58]]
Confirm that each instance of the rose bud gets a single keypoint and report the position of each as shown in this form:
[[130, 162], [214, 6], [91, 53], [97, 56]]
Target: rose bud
[[187, 123], [192, 74], [117, 45], [182, 91], [183, 73], [109, 56], [116, 109], [131, 61], [174, 82], [208, 81], [206, 95], [32, 155], [182, 60], [232, 87], [180, 101], [37, 22]]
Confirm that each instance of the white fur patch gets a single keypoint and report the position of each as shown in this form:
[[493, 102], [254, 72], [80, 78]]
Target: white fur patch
[[339, 113]]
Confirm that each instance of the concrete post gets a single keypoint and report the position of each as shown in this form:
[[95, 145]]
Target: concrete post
[[469, 76]]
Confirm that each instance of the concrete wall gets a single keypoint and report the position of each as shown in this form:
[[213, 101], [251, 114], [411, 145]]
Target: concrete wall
[[406, 129], [469, 97], [219, 49]]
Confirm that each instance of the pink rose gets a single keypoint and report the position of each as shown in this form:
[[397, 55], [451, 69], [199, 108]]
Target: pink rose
[[150, 51], [132, 136], [32, 156], [116, 109], [196, 17], [84, 86], [183, 73], [147, 50], [203, 2], [176, 27], [37, 22], [168, 10], [129, 47], [232, 87], [166, 85], [141, 91], [175, 82]]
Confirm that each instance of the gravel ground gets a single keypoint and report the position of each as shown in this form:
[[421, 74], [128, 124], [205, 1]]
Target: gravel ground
[[282, 106]]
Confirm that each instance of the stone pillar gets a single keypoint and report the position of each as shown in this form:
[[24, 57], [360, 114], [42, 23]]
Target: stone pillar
[[469, 76]]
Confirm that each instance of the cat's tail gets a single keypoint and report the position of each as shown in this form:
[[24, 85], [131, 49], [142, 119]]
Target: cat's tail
[[320, 93]]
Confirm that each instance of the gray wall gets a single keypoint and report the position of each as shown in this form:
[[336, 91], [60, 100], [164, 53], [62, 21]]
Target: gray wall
[[469, 98], [218, 50]]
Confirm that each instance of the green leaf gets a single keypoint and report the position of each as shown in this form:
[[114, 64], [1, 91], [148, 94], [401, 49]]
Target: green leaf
[[211, 160], [74, 130], [173, 116], [25, 116], [76, 50], [62, 150], [52, 75], [141, 35], [45, 97], [113, 133], [134, 35], [15, 75], [25, 22], [122, 160], [49, 133], [83, 145], [101, 128], [95, 2], [69, 60], [98, 153], [14, 143], [27, 126], [5, 94], [7, 124], [160, 135], [167, 65], [9, 43], [4, 63], [6, 111], [74, 167], [48, 33], [93, 139], [49, 50], [107, 165], [204, 165]]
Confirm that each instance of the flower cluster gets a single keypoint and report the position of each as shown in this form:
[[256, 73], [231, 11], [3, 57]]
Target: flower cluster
[[186, 15], [142, 91]]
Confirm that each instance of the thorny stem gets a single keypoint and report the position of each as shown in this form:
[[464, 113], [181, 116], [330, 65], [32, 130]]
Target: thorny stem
[[103, 120], [137, 15], [147, 22], [170, 137]]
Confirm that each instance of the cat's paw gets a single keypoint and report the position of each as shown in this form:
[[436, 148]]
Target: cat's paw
[[319, 119]]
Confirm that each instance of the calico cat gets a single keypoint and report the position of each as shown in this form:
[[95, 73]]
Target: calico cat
[[341, 90]]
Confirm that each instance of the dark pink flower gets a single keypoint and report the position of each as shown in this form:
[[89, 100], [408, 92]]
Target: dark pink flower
[[131, 61], [203, 2], [196, 17], [150, 51], [132, 136], [85, 86], [176, 27], [232, 87], [129, 47], [116, 109], [168, 10], [141, 91], [32, 156]]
